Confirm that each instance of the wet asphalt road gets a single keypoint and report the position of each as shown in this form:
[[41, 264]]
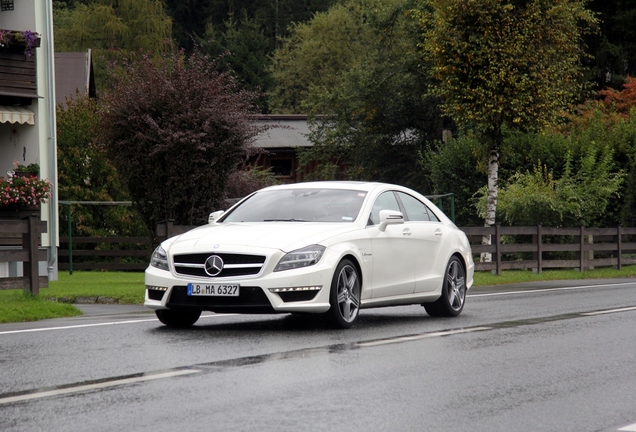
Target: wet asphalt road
[[558, 356]]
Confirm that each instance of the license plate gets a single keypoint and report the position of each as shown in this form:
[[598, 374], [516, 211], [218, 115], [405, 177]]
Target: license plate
[[222, 290]]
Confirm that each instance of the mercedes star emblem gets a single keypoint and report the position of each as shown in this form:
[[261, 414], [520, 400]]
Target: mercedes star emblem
[[213, 265]]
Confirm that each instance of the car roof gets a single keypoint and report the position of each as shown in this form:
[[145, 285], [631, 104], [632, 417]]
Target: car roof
[[356, 185], [359, 186]]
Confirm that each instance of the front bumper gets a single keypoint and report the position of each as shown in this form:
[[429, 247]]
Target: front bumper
[[299, 290]]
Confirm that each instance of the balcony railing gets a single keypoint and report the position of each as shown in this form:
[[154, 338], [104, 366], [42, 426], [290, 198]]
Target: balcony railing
[[17, 63]]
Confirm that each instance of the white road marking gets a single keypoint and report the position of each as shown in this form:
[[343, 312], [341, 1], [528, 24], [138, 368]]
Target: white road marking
[[97, 386], [422, 336], [222, 315], [609, 311], [548, 289], [28, 396], [98, 324], [630, 428]]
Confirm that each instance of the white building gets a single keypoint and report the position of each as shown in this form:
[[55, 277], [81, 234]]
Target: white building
[[27, 102]]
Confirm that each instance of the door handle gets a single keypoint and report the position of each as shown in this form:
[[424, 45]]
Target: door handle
[[406, 232], [438, 232]]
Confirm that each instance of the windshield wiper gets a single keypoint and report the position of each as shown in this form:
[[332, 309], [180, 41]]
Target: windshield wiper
[[284, 220]]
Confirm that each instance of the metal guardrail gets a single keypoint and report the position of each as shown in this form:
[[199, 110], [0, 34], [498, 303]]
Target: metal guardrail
[[69, 205], [439, 201]]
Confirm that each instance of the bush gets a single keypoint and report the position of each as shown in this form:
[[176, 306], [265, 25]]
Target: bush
[[175, 129], [579, 197]]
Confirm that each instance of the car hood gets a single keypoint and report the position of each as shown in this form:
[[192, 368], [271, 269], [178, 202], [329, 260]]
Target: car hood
[[286, 236]]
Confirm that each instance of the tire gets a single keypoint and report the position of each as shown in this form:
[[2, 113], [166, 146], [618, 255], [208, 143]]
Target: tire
[[344, 296], [451, 302], [181, 318]]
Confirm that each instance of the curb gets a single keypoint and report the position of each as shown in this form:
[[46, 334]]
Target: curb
[[86, 300]]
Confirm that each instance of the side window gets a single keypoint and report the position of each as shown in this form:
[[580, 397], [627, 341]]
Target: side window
[[416, 211], [386, 201], [431, 215]]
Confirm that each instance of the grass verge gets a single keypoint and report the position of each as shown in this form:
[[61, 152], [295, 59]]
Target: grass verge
[[18, 306], [121, 287], [519, 276], [128, 288], [54, 301]]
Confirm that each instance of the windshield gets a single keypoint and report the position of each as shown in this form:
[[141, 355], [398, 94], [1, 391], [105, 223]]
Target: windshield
[[299, 205]]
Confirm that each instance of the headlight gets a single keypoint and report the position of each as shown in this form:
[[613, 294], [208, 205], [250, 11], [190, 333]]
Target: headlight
[[159, 259], [304, 257]]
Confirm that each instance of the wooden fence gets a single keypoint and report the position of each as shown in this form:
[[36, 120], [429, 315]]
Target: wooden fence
[[112, 253], [104, 253], [538, 247], [20, 242], [533, 247]]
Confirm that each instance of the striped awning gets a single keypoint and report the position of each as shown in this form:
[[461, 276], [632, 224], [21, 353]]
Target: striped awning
[[14, 114]]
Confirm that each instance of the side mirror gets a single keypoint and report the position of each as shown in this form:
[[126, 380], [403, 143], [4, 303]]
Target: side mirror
[[390, 217], [215, 216]]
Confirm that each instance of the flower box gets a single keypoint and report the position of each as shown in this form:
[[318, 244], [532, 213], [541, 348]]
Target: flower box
[[31, 170], [19, 212], [23, 193], [21, 41]]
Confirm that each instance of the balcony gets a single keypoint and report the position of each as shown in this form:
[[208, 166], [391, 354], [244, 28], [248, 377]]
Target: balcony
[[17, 64]]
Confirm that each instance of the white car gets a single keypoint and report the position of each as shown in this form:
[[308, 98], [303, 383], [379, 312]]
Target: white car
[[328, 248]]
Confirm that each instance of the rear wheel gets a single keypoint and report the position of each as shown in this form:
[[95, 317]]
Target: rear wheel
[[344, 296], [181, 318], [451, 302]]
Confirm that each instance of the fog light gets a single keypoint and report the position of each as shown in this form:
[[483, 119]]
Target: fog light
[[156, 288], [296, 289]]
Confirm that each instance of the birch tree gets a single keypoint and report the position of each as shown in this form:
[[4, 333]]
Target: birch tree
[[504, 65]]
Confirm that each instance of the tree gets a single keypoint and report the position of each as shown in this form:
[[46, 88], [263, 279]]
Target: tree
[[628, 213], [85, 174], [175, 128], [355, 71], [612, 122], [248, 179], [112, 28], [504, 65], [452, 169], [622, 101], [614, 47], [192, 18], [244, 49], [113, 24], [315, 54]]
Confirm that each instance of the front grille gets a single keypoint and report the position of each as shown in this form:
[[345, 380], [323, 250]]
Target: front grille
[[251, 299], [233, 264]]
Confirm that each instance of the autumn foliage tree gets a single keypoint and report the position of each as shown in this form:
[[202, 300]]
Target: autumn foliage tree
[[622, 101], [174, 129]]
